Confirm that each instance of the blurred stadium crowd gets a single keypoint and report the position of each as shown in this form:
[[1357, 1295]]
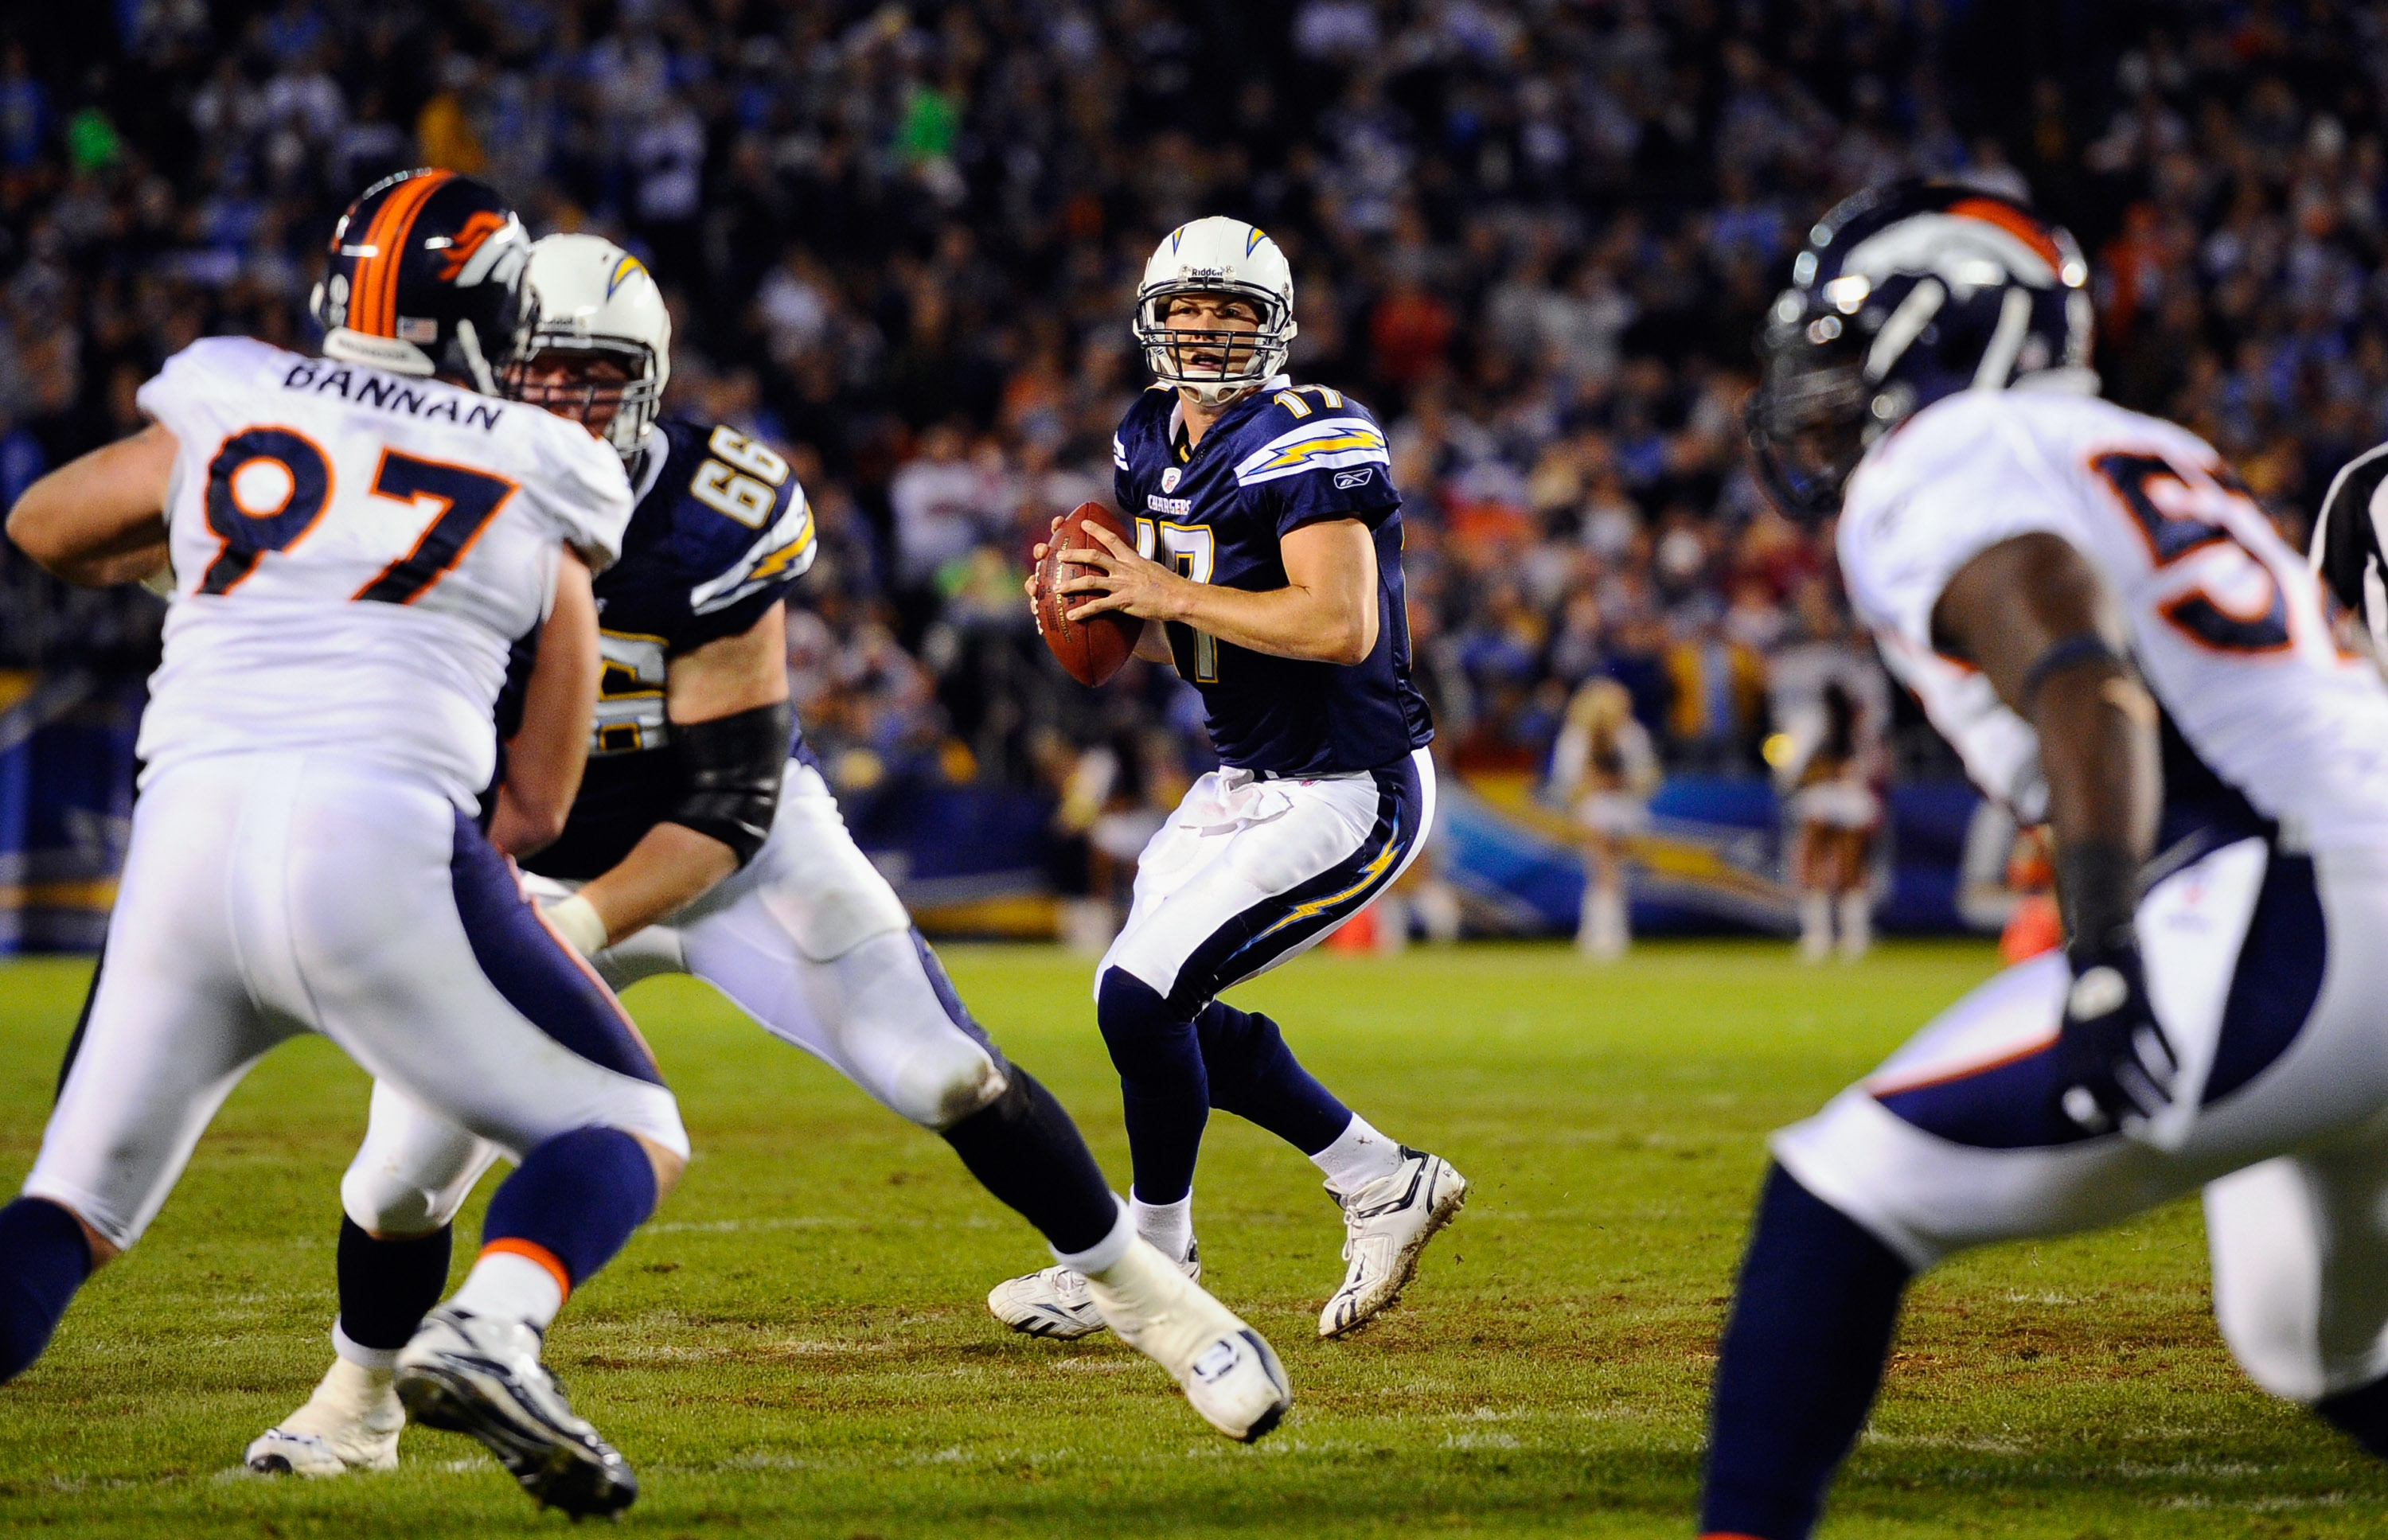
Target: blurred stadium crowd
[[1534, 235]]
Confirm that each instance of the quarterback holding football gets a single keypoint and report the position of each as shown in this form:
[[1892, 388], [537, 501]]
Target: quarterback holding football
[[1267, 567]]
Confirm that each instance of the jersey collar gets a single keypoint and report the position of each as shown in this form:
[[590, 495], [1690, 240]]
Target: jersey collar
[[1176, 423]]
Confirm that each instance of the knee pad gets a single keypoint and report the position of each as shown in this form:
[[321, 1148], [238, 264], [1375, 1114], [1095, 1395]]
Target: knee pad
[[941, 1084], [903, 1037], [413, 1172], [384, 1203]]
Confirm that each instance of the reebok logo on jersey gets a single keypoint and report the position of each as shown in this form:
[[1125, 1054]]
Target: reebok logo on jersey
[[371, 389], [1346, 480]]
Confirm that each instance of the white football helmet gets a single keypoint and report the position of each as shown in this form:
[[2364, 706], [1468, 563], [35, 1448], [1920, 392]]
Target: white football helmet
[[1216, 256], [595, 297]]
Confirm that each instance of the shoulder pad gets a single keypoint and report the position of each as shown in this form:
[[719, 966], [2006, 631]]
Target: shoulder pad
[[1310, 428], [730, 512]]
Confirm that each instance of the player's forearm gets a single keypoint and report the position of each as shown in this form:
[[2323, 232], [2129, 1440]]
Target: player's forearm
[[2028, 612], [546, 756], [133, 566], [672, 866], [85, 518], [2099, 758], [1293, 622]]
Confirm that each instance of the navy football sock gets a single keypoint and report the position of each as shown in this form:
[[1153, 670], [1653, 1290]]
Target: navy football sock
[[1023, 1149], [2360, 1414], [1801, 1359], [1165, 1095], [576, 1197], [387, 1287], [1255, 1075], [47, 1259]]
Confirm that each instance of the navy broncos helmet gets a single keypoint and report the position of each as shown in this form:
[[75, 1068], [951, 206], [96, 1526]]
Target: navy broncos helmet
[[1902, 295], [425, 276]]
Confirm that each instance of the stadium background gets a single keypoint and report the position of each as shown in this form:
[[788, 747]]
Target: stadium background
[[900, 242]]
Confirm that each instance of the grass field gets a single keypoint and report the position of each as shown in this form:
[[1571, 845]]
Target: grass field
[[797, 1346]]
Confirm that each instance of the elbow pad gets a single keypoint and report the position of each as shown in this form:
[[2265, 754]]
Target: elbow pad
[[729, 771]]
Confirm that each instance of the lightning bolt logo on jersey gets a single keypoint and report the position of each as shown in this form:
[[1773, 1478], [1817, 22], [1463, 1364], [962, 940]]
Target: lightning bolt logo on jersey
[[1276, 460], [720, 534]]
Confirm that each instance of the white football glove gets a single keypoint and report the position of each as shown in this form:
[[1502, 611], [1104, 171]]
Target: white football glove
[[575, 919]]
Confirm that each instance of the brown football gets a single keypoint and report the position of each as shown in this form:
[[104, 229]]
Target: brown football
[[1095, 649]]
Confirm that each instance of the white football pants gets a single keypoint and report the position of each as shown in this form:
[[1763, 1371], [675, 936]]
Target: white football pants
[[1249, 874], [266, 896], [2270, 975], [808, 938]]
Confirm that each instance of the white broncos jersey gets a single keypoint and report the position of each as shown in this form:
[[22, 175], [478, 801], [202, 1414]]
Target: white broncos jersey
[[2226, 622], [355, 553]]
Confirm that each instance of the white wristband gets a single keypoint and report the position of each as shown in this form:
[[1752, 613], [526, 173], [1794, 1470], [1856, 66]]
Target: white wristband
[[576, 921]]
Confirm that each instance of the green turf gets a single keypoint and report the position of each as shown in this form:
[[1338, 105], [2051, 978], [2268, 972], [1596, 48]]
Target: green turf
[[797, 1344]]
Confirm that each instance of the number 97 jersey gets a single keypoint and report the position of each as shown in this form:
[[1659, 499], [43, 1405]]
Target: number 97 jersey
[[2268, 717], [355, 554]]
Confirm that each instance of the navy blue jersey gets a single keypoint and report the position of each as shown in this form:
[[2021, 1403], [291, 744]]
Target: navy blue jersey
[[720, 534], [1276, 460]]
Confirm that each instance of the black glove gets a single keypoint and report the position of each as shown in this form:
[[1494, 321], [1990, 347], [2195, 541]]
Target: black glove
[[2113, 1061]]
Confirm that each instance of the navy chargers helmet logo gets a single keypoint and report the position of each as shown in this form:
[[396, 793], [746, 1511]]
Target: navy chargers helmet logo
[[1902, 295], [425, 276]]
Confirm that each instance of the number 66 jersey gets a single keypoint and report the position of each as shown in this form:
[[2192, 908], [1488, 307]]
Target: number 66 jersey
[[354, 553], [2265, 716]]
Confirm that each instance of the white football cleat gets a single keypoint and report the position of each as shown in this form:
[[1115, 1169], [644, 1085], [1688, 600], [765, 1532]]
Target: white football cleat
[[1386, 1224], [1228, 1371], [350, 1423], [1053, 1302], [480, 1375]]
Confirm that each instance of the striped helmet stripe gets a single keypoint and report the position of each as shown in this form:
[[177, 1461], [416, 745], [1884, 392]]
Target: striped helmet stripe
[[375, 283]]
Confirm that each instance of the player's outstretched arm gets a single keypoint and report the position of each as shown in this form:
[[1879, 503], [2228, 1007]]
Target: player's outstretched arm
[[101, 519], [737, 685], [2030, 612], [1327, 612], [545, 757]]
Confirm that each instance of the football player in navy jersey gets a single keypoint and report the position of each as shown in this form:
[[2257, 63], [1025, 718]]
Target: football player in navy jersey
[[1267, 567], [701, 809]]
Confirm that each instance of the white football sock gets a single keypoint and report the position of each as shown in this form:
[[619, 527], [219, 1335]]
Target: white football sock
[[1103, 1255], [373, 1360], [1857, 923], [1169, 1226], [511, 1287], [1815, 926], [1359, 1155]]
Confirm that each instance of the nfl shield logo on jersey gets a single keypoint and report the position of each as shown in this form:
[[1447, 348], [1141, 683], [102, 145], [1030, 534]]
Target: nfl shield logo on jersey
[[1169, 479]]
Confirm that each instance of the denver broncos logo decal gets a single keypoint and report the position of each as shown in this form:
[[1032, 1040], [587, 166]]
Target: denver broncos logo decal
[[478, 229]]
